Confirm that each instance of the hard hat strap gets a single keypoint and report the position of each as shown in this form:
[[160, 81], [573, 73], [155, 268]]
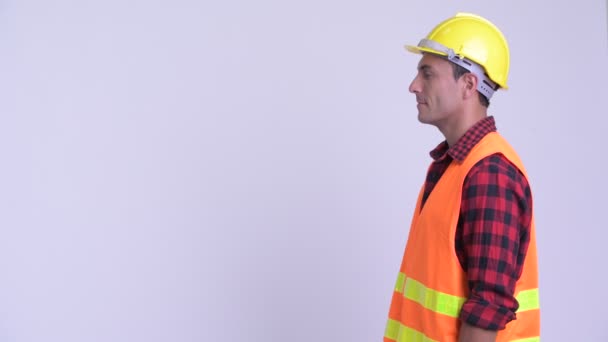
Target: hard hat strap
[[485, 85]]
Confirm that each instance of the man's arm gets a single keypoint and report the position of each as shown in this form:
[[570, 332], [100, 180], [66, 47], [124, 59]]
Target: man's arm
[[491, 243], [469, 333]]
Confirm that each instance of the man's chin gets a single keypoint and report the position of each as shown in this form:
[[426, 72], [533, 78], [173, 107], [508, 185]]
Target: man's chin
[[422, 118]]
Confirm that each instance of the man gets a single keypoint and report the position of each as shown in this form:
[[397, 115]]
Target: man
[[469, 270]]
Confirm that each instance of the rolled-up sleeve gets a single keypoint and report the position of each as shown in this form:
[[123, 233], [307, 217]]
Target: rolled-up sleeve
[[492, 239]]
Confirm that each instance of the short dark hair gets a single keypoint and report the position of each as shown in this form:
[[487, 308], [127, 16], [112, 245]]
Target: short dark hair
[[458, 72]]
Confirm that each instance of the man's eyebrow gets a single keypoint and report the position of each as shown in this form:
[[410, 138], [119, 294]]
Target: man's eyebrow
[[425, 67]]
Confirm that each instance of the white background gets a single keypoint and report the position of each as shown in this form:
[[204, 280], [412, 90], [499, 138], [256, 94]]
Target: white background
[[246, 170]]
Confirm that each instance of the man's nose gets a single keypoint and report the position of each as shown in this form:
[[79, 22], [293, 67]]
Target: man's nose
[[415, 86]]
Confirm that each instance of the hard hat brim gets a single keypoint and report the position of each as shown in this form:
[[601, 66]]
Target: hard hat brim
[[420, 50]]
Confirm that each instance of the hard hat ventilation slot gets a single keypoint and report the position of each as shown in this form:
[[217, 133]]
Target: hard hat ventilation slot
[[493, 87]]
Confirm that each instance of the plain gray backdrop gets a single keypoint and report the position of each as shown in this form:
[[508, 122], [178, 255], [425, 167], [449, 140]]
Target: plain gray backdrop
[[246, 170]]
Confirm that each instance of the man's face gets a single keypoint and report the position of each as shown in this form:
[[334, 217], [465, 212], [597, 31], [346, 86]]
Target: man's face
[[437, 92]]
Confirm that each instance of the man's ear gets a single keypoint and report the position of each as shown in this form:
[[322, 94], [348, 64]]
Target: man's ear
[[469, 85]]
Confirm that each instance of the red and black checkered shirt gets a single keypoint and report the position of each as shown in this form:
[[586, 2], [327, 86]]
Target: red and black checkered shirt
[[493, 229]]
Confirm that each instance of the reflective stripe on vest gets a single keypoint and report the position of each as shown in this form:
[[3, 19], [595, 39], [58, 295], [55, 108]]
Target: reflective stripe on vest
[[528, 300], [450, 305], [396, 331]]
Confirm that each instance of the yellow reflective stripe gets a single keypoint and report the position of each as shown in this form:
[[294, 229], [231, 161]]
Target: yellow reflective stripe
[[529, 339], [392, 329], [433, 300], [528, 300], [400, 281], [400, 333], [450, 305]]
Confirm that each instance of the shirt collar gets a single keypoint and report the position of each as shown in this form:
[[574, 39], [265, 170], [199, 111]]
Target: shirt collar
[[463, 146]]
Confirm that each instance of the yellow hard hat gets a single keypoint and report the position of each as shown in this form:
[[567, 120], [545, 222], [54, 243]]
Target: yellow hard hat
[[466, 38]]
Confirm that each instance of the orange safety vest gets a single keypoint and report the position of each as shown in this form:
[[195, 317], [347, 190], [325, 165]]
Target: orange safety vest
[[432, 286]]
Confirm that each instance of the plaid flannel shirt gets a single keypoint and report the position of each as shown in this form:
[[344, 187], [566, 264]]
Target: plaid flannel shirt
[[493, 229]]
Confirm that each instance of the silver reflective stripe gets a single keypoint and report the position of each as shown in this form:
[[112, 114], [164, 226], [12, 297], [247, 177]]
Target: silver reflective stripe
[[485, 85]]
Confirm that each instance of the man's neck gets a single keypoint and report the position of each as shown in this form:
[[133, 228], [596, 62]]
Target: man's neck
[[456, 129]]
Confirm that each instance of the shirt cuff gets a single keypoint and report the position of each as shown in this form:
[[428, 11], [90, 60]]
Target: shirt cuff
[[484, 315]]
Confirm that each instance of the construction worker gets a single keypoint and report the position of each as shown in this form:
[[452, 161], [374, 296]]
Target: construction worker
[[469, 271]]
